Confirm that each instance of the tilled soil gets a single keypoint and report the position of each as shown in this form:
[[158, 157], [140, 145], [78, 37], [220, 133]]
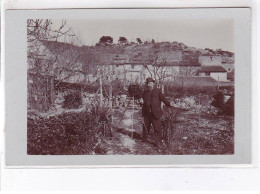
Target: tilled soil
[[193, 134], [70, 133]]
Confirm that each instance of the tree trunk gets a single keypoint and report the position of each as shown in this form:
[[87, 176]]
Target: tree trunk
[[110, 87], [52, 91], [163, 93]]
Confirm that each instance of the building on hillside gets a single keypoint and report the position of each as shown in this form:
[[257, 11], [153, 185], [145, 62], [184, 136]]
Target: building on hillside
[[105, 58], [210, 60], [50, 63], [40, 59], [228, 63], [57, 59], [217, 72], [228, 66], [136, 70], [65, 61], [190, 55], [169, 56], [120, 59]]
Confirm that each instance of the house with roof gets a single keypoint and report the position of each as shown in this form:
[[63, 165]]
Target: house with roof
[[135, 69], [138, 67], [228, 63], [49, 64], [215, 71], [143, 65], [66, 61]]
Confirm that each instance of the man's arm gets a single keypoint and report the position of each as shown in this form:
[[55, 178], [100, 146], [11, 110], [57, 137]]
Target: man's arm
[[164, 99]]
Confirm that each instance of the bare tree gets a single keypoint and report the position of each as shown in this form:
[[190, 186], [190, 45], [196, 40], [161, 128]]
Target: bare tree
[[42, 29], [159, 69], [46, 55], [187, 71], [49, 56]]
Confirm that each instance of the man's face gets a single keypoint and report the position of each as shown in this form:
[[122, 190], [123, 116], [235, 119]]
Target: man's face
[[150, 85]]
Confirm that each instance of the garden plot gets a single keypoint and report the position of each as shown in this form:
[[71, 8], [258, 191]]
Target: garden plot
[[193, 133], [194, 130]]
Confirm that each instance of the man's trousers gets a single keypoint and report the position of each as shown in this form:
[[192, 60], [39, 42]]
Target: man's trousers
[[156, 123]]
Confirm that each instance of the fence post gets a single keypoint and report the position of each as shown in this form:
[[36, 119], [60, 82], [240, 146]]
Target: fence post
[[162, 104]]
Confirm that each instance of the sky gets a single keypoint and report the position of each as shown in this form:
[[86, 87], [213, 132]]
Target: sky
[[199, 33]]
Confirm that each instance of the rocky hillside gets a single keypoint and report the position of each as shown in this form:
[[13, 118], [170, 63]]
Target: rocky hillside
[[160, 48], [174, 51]]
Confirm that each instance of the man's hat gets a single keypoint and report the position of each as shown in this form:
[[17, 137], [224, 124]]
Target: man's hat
[[149, 79]]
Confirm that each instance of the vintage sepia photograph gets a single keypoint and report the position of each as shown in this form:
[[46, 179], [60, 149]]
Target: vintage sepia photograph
[[130, 87]]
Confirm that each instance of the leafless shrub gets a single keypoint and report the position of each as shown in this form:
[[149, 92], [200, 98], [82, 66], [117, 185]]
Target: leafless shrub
[[102, 119]]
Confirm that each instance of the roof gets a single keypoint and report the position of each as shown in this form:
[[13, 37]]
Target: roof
[[189, 63], [213, 68]]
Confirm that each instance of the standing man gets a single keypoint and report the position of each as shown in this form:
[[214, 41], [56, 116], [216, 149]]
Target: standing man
[[151, 111]]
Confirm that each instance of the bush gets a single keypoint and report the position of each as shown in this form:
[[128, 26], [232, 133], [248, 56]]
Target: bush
[[229, 89], [91, 89], [224, 108], [218, 100], [228, 108], [72, 100], [69, 133], [134, 90], [102, 117]]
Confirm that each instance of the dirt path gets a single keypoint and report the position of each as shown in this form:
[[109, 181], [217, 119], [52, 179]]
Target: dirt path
[[127, 135]]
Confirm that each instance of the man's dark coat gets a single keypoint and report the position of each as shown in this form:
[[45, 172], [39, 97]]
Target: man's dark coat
[[152, 103]]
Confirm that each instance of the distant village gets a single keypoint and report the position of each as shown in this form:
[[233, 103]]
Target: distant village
[[53, 64], [134, 62]]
